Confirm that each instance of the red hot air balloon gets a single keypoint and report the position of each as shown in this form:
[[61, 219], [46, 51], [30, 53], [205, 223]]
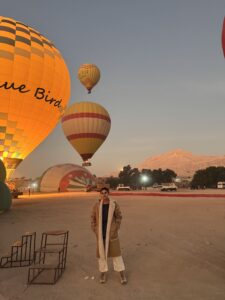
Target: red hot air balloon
[[223, 37]]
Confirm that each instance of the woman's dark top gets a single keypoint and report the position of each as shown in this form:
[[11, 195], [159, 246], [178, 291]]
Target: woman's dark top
[[105, 210]]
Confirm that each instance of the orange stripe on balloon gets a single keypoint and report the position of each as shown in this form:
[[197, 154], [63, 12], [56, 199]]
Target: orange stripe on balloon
[[86, 115], [86, 135]]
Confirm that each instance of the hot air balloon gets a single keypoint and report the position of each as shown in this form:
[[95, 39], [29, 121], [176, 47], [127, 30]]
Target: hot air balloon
[[89, 76], [223, 37], [34, 89], [86, 125]]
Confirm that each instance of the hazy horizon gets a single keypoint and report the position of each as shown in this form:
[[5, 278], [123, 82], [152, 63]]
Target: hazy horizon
[[181, 170]]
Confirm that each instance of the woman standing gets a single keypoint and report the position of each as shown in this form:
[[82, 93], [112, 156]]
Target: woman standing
[[105, 222]]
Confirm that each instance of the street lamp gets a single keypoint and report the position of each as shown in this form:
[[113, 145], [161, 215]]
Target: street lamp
[[34, 186], [144, 179]]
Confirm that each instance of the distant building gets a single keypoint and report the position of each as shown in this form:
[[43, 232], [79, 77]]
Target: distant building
[[65, 178], [22, 184], [183, 181]]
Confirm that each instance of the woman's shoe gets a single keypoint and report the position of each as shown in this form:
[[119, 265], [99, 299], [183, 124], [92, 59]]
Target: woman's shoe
[[102, 278], [123, 279]]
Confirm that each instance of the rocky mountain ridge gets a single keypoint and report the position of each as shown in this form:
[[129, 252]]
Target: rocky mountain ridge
[[182, 162]]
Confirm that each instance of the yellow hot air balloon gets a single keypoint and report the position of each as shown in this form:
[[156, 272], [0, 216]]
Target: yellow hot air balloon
[[86, 125], [34, 90], [89, 76]]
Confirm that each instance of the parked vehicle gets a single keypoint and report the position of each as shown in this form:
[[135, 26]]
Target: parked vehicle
[[123, 188], [15, 193], [221, 185], [167, 187], [156, 186]]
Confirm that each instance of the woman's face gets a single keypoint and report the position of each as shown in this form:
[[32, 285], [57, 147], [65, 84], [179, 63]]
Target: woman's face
[[104, 194]]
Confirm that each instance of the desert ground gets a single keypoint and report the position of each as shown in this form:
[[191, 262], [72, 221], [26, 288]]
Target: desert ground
[[173, 248]]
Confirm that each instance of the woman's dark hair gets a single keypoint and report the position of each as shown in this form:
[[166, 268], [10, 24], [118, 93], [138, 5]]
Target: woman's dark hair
[[104, 189]]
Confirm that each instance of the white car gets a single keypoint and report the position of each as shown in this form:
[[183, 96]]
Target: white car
[[123, 188], [167, 187], [156, 186]]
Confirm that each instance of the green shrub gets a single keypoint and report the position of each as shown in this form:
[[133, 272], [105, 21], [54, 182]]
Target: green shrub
[[5, 197], [2, 171]]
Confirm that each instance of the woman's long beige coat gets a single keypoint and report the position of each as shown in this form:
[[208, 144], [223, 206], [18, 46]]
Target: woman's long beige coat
[[112, 244]]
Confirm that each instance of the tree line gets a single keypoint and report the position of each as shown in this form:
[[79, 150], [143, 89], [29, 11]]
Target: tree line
[[137, 179], [208, 177], [205, 178]]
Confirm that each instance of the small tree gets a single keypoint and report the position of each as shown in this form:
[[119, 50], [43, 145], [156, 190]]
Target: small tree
[[208, 177], [113, 181], [125, 174]]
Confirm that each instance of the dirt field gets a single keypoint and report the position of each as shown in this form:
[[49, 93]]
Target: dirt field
[[173, 248]]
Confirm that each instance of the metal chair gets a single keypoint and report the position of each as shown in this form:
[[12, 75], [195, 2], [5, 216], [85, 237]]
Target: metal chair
[[22, 252], [50, 258]]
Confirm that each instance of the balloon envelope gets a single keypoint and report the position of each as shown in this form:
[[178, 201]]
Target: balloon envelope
[[34, 89], [223, 37], [89, 75], [86, 125]]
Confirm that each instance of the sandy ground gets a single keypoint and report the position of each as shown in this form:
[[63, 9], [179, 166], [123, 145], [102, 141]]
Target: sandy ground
[[173, 248]]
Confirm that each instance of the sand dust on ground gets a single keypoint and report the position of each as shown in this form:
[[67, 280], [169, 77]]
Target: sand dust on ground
[[173, 248]]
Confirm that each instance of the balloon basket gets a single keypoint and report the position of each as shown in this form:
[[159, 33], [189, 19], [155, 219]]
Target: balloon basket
[[86, 164]]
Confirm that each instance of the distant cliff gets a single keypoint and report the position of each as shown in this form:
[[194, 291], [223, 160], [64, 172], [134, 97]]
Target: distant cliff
[[182, 162]]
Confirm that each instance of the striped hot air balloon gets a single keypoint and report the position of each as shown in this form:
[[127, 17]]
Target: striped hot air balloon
[[89, 76], [86, 125], [223, 37]]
